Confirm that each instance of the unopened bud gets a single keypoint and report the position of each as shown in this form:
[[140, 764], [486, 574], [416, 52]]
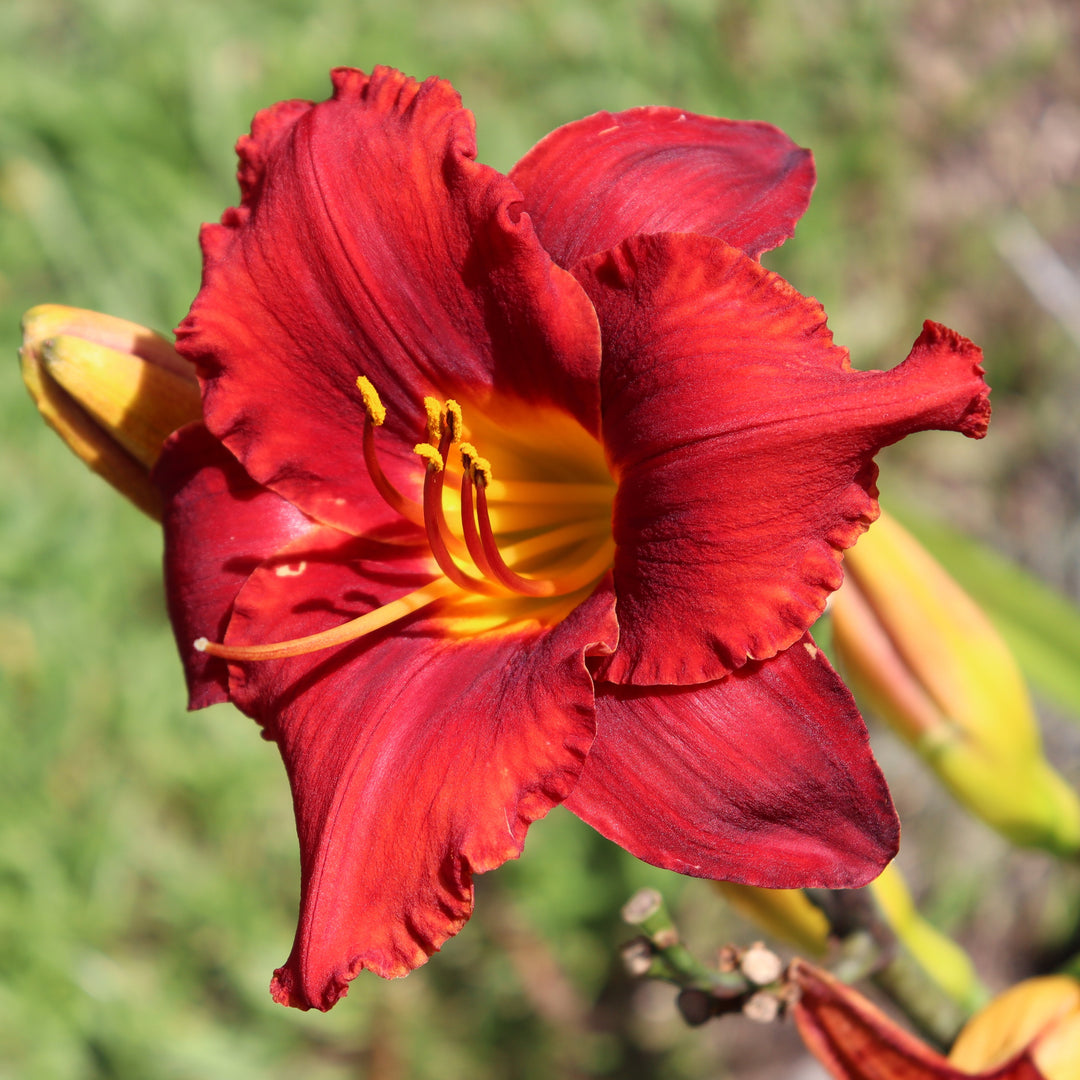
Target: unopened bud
[[112, 390], [696, 1006], [727, 959], [790, 916], [938, 955], [920, 652], [637, 957], [762, 1007], [786, 914], [666, 938], [761, 965], [1040, 1015]]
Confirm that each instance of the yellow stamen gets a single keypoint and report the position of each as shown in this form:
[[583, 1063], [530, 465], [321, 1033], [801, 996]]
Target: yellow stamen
[[338, 635], [376, 414], [434, 420], [432, 458], [373, 406], [454, 422], [574, 553], [440, 539]]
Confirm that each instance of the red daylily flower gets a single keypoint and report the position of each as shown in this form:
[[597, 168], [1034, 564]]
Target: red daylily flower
[[604, 599]]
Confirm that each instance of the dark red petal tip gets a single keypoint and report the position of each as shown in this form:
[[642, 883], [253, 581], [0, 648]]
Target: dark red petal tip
[[418, 755], [942, 355], [764, 778]]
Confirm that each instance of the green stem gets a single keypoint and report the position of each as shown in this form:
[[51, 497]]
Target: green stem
[[870, 949], [672, 960]]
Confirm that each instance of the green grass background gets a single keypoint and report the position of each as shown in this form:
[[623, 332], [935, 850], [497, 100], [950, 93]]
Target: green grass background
[[148, 872]]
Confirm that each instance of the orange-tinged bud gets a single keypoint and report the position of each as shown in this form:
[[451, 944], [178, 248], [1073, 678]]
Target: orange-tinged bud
[[1041, 1016], [920, 652], [113, 390], [854, 1040]]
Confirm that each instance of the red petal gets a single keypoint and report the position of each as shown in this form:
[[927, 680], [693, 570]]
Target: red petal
[[856, 1041], [743, 445], [369, 242], [593, 183], [418, 756], [219, 526], [764, 778]]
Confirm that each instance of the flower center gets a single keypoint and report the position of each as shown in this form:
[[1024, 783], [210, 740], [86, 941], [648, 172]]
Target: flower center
[[538, 534]]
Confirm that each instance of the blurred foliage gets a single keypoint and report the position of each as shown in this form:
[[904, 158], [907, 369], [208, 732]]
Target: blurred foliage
[[148, 876]]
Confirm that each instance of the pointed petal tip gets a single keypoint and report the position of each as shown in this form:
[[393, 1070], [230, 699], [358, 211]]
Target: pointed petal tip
[[286, 990], [764, 778], [955, 360], [298, 985]]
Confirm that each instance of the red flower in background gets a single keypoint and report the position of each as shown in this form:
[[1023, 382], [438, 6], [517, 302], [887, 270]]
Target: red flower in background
[[606, 602]]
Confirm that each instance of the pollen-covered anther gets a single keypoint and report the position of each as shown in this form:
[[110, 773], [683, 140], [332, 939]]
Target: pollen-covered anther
[[434, 412], [376, 416], [373, 406], [481, 472], [431, 456], [468, 455], [454, 424]]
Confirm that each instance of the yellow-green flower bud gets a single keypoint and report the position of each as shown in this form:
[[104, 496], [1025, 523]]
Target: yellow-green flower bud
[[790, 916], [937, 954], [921, 654], [112, 390], [787, 914]]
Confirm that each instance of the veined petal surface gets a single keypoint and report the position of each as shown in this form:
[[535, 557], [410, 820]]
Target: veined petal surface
[[369, 242], [764, 778], [742, 443], [418, 755], [219, 526], [591, 184]]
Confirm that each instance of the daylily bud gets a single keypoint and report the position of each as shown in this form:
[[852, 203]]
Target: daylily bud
[[791, 916], [937, 954], [922, 655], [112, 390], [787, 914], [1039, 1015], [1031, 1032]]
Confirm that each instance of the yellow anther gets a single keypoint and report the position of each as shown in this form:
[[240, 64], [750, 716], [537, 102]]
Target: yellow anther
[[481, 471], [434, 420], [453, 420], [432, 457], [469, 454], [373, 405]]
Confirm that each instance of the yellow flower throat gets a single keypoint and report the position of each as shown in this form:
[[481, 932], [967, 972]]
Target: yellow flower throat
[[540, 532]]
